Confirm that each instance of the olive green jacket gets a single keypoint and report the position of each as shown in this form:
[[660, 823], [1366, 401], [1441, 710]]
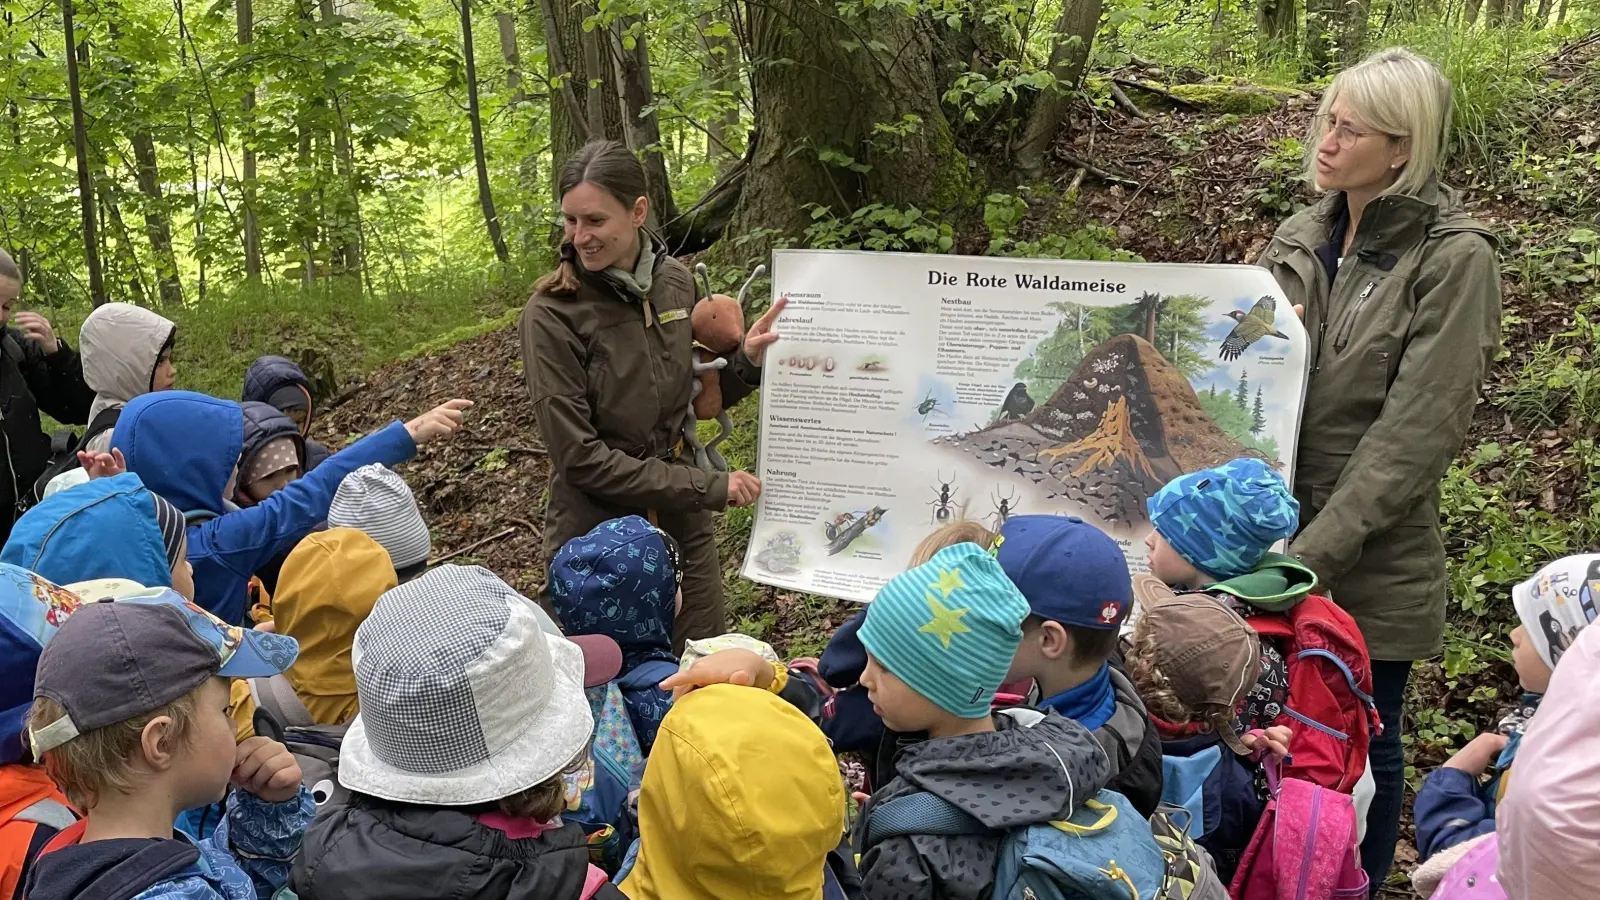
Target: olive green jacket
[[610, 379], [1398, 350]]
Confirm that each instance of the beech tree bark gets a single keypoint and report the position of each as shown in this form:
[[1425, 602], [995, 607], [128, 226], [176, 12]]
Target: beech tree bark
[[639, 121], [244, 19], [491, 219], [1068, 58], [80, 149]]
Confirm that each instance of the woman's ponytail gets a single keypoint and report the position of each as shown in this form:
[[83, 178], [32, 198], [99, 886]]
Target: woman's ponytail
[[563, 281]]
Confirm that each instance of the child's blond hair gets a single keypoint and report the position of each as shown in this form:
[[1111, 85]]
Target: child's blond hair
[[958, 531], [100, 759], [1160, 700]]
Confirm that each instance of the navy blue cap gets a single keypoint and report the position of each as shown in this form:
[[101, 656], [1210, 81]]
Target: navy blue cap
[[1070, 571]]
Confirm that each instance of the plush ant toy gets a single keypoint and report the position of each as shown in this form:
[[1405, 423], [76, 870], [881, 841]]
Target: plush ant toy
[[717, 323]]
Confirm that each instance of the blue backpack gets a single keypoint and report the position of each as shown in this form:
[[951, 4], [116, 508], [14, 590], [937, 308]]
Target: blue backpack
[[1103, 851]]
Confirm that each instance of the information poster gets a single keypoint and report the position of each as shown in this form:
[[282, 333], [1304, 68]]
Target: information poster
[[910, 390]]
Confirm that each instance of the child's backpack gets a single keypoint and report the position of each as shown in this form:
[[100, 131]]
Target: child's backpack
[[1330, 707], [282, 716], [1474, 875], [1103, 851], [64, 447], [1305, 847], [1191, 873]]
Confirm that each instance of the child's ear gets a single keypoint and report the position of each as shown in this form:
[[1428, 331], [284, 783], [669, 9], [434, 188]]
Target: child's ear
[[155, 741], [1054, 641]]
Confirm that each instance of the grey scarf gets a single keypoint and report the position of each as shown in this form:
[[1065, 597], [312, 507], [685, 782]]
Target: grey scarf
[[638, 281]]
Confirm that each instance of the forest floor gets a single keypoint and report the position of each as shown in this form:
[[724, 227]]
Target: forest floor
[[1178, 186]]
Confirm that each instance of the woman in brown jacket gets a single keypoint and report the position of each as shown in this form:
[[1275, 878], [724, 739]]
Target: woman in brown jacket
[[1400, 292], [606, 349]]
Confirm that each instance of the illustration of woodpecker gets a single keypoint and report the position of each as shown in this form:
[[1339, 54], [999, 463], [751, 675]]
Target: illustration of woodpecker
[[1252, 327]]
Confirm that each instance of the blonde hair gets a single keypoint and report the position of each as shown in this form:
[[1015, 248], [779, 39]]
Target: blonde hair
[[1401, 95], [1160, 700], [958, 531], [100, 759]]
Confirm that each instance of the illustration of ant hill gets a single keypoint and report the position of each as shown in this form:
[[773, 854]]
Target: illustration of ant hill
[[1123, 425]]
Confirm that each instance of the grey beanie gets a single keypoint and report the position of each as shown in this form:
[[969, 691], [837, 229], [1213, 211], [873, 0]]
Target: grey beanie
[[375, 500]]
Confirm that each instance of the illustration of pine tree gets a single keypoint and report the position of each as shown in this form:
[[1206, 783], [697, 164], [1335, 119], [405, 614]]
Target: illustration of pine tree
[[1258, 416], [1242, 395]]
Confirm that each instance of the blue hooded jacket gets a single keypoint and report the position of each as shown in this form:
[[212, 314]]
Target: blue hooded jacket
[[104, 528], [185, 446]]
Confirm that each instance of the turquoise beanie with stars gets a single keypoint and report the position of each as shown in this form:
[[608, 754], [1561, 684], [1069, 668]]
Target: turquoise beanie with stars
[[948, 628], [1223, 521]]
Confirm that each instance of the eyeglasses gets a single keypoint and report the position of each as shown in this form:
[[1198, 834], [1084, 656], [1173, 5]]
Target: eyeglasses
[[1344, 135]]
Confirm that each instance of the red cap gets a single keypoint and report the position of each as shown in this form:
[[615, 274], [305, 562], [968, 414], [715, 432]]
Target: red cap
[[602, 658]]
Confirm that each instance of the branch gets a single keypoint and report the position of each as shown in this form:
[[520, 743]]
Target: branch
[[1096, 171], [699, 226], [1122, 100], [1152, 88]]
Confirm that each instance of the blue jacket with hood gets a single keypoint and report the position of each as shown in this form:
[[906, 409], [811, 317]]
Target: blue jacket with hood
[[186, 446], [104, 528]]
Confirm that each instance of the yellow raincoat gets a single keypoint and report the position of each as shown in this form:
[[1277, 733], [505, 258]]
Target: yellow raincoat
[[328, 586], [741, 798]]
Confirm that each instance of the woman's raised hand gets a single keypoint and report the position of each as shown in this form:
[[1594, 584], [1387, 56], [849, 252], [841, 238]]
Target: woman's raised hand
[[761, 336]]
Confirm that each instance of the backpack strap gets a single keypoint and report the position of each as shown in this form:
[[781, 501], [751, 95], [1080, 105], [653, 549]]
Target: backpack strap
[[47, 812], [282, 708], [100, 424], [1349, 676], [198, 516], [919, 813]]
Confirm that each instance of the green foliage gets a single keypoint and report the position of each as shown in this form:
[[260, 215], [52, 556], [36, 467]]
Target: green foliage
[[880, 227], [1237, 421], [1284, 164]]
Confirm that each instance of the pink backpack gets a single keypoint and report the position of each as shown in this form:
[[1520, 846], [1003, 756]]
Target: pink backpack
[[1473, 876], [1304, 847]]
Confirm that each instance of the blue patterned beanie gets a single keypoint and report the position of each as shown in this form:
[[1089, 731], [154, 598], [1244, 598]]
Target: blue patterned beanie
[[1223, 520], [948, 628]]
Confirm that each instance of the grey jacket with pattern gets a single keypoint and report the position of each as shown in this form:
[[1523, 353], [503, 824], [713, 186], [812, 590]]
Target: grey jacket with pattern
[[1015, 776]]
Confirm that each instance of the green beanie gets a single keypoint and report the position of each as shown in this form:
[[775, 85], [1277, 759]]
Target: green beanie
[[949, 628]]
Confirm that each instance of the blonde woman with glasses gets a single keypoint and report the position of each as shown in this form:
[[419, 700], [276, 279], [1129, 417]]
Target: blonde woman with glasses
[[1400, 293]]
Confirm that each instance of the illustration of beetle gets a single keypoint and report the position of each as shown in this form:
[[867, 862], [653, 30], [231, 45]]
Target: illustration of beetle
[[945, 493], [928, 406], [843, 520], [857, 528], [1004, 507]]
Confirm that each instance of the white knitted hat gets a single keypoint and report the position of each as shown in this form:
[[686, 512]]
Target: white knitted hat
[[375, 500]]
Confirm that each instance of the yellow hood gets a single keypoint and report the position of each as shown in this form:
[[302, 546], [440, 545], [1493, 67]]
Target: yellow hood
[[328, 586], [741, 798]]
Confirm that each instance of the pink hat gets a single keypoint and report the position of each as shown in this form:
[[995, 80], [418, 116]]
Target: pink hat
[[1549, 821]]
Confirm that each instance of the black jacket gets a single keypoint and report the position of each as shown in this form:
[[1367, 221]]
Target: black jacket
[[29, 382], [380, 850]]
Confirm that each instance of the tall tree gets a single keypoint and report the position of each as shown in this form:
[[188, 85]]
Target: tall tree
[[244, 20], [1241, 397], [80, 149], [639, 121], [569, 67], [848, 101], [506, 24], [157, 219], [1258, 415], [1276, 26], [491, 219], [1069, 57]]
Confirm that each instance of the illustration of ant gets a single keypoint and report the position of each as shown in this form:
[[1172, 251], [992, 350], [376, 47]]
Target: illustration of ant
[[928, 407], [832, 529], [945, 492], [1003, 508]]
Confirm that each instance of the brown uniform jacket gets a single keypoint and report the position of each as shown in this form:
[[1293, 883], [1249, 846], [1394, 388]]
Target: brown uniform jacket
[[1399, 345], [610, 380]]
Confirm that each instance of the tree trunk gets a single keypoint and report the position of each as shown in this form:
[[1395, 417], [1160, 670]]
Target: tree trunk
[[639, 121], [1074, 38], [1541, 15], [720, 55], [244, 16], [509, 53], [570, 123], [80, 149], [1561, 13], [1275, 22], [485, 197], [1496, 12], [346, 249], [853, 116], [1469, 14], [1320, 18], [157, 219], [1515, 11], [1353, 16]]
